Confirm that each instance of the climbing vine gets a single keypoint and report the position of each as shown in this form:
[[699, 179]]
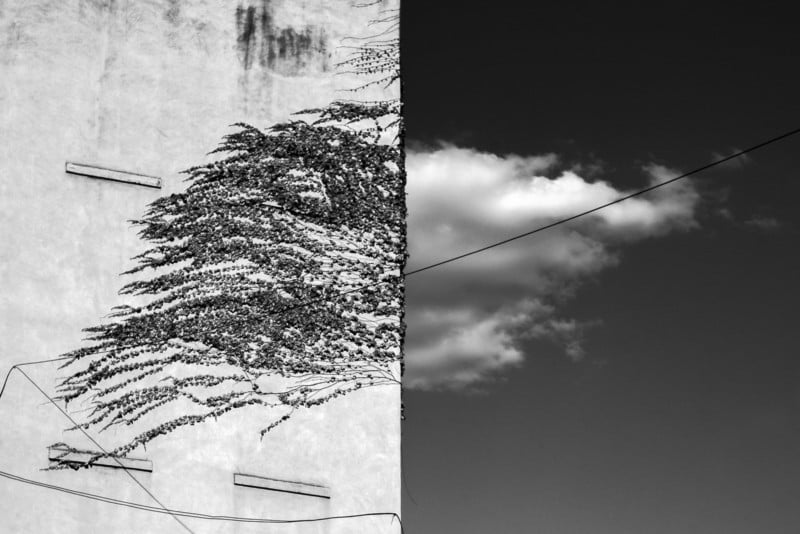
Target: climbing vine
[[273, 280], [377, 56]]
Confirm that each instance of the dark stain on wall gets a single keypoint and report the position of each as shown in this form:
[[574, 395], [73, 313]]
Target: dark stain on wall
[[110, 5], [173, 12], [266, 51], [287, 51], [245, 33], [93, 6]]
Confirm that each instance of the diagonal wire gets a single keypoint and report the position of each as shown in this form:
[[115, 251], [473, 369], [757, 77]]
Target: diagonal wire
[[603, 206], [136, 480]]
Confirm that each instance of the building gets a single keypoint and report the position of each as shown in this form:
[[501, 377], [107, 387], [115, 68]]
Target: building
[[97, 97]]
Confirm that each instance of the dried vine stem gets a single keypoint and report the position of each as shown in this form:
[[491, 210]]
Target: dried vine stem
[[376, 58]]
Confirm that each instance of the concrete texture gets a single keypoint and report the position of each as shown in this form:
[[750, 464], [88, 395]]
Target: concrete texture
[[150, 87]]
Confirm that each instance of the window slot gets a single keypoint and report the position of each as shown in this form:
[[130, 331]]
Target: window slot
[[102, 173], [286, 486], [65, 456]]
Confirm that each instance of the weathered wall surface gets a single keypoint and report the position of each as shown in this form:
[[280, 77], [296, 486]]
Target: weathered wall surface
[[151, 86]]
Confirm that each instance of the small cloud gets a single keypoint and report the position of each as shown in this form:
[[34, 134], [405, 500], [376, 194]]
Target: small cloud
[[767, 224], [733, 164], [725, 213]]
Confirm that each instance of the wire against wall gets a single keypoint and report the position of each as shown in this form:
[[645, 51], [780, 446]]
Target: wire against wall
[[194, 515], [162, 509]]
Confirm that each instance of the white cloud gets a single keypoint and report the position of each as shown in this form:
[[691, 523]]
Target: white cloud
[[466, 320]]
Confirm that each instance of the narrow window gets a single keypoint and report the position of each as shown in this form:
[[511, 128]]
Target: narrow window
[[59, 454], [93, 171], [286, 486]]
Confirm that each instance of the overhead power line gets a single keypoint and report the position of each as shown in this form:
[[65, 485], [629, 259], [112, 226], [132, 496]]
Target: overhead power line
[[603, 206]]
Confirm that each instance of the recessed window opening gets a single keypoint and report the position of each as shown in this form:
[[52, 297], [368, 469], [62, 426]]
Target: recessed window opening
[[59, 454], [286, 486], [115, 175]]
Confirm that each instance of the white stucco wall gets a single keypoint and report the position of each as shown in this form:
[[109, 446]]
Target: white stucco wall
[[151, 86]]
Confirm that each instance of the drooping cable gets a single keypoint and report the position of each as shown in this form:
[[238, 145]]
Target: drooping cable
[[603, 206], [193, 515], [162, 509], [85, 433]]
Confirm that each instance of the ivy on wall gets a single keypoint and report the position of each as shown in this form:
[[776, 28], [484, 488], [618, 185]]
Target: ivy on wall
[[274, 279]]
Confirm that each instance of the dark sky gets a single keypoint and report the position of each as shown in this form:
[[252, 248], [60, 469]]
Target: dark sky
[[684, 416]]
